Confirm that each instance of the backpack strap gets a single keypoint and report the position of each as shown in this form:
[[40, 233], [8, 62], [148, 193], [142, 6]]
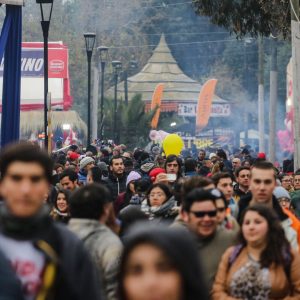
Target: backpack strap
[[235, 253]]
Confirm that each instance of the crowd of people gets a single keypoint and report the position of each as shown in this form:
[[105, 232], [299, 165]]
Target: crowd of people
[[109, 223]]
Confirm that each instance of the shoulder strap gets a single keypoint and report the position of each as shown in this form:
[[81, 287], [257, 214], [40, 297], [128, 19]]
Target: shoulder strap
[[235, 253]]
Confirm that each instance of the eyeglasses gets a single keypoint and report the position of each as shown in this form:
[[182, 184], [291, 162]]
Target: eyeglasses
[[221, 209], [202, 214], [284, 200]]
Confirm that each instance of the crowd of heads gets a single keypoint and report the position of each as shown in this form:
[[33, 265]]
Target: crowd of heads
[[138, 195]]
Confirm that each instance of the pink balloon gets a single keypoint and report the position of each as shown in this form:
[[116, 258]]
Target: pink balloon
[[153, 135]]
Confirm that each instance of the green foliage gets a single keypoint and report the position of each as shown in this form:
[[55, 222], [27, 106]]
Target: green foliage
[[244, 17], [133, 123]]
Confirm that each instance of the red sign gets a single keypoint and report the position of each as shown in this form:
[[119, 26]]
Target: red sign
[[32, 81]]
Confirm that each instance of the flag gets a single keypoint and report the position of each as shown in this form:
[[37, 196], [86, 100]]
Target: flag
[[205, 104], [156, 102]]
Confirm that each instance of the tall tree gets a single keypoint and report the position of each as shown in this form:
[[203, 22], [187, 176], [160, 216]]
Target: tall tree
[[254, 17]]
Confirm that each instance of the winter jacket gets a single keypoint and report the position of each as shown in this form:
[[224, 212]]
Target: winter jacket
[[116, 185], [82, 177], [10, 286], [238, 194], [69, 273], [290, 227], [295, 195], [282, 287], [105, 248], [210, 249], [295, 223], [135, 201]]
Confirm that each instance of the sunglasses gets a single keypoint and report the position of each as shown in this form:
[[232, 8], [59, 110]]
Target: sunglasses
[[202, 214]]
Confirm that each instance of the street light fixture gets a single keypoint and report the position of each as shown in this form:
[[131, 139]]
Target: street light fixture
[[103, 55], [46, 14], [89, 45], [133, 64], [117, 67]]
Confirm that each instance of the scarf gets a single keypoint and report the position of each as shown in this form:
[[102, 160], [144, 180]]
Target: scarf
[[164, 210], [24, 228]]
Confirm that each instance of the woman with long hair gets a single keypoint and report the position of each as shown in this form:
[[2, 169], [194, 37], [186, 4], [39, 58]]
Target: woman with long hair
[[160, 263], [60, 211], [262, 266]]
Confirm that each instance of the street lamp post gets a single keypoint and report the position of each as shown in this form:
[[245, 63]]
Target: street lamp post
[[103, 54], [117, 67], [132, 66], [247, 42], [46, 13], [89, 45]]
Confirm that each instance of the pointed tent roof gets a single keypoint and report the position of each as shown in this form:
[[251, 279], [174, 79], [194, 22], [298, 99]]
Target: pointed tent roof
[[163, 68]]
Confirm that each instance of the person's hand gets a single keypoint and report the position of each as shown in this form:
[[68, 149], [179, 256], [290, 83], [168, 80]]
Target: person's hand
[[162, 177]]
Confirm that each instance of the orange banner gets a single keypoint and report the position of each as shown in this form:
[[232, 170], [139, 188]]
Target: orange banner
[[205, 104], [156, 102]]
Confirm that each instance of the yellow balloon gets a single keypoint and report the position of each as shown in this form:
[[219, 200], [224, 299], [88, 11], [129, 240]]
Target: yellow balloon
[[173, 144]]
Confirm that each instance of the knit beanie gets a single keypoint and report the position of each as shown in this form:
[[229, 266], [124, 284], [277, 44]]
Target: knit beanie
[[85, 161], [280, 192], [102, 165], [133, 175]]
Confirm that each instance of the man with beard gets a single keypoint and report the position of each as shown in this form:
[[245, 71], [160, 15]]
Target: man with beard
[[116, 181]]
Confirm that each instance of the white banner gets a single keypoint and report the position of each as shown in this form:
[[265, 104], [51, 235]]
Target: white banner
[[12, 2], [217, 110]]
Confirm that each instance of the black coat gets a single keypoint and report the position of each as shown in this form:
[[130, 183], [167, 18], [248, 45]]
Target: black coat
[[116, 185], [244, 203], [10, 286]]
